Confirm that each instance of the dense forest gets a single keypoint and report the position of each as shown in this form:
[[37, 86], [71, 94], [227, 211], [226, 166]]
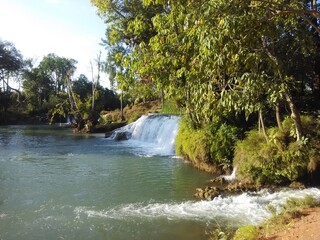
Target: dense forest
[[246, 73]]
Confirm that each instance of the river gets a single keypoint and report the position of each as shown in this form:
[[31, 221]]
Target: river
[[58, 185]]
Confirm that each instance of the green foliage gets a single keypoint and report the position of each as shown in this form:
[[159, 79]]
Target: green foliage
[[220, 234], [264, 162], [213, 144], [10, 59], [281, 159], [193, 144], [170, 107], [222, 143], [293, 204], [129, 26], [5, 100], [202, 55], [248, 232]]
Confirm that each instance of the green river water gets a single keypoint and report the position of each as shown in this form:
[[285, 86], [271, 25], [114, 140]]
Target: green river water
[[58, 185]]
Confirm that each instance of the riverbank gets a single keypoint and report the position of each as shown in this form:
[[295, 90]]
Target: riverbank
[[299, 219], [20, 118], [304, 227]]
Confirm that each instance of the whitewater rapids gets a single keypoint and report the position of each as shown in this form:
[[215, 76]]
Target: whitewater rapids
[[247, 208]]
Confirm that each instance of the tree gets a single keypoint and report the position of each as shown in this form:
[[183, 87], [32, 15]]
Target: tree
[[37, 87], [58, 69], [129, 24], [50, 82], [95, 79], [11, 63], [82, 87], [225, 56]]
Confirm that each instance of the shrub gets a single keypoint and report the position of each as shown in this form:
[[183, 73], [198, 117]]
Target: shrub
[[281, 159], [248, 232], [213, 144], [222, 143], [192, 144]]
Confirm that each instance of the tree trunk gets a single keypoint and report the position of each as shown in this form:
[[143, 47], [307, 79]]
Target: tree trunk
[[93, 86], [278, 116], [262, 126], [162, 97], [295, 115], [121, 106], [95, 82], [16, 90], [316, 60]]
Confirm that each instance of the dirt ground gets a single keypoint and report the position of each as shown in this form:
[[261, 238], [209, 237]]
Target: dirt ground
[[306, 228]]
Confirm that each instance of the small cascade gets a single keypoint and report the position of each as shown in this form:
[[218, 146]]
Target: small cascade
[[68, 120], [67, 123], [154, 131], [231, 177]]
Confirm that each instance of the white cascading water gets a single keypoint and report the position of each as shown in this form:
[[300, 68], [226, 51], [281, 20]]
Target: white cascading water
[[231, 177], [152, 134], [246, 208]]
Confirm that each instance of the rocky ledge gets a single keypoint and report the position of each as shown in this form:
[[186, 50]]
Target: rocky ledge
[[220, 187]]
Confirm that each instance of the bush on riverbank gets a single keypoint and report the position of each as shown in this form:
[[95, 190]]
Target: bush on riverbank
[[281, 159], [213, 144], [131, 113]]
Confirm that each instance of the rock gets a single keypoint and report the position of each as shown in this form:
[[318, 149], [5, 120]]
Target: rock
[[297, 185], [208, 193], [108, 134], [199, 193], [220, 180], [119, 136]]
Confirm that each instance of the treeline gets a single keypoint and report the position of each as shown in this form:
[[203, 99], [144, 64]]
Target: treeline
[[49, 90], [234, 66]]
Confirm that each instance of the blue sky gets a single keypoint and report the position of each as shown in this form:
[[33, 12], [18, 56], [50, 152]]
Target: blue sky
[[68, 28]]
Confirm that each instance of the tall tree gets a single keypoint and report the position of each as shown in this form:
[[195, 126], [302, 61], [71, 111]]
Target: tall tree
[[11, 63], [129, 24], [95, 78], [58, 69]]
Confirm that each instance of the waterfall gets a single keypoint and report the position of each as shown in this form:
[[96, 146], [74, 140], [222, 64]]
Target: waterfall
[[154, 131], [231, 177], [68, 120]]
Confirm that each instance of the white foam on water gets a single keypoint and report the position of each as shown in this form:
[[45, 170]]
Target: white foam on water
[[246, 208]]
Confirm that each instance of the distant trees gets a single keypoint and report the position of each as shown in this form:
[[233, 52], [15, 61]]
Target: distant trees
[[49, 80], [11, 64], [49, 88]]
